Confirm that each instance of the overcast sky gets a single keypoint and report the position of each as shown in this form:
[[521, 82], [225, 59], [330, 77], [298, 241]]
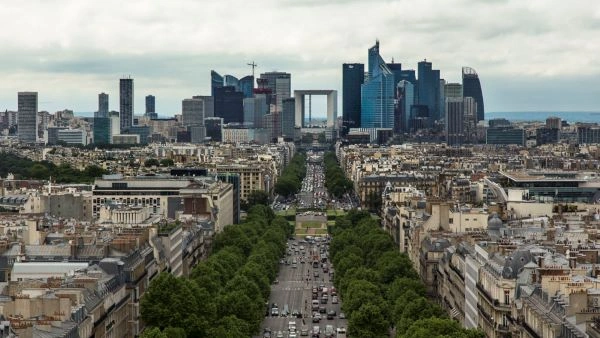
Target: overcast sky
[[531, 55]]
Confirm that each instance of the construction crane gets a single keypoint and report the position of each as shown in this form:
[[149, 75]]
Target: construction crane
[[253, 65]]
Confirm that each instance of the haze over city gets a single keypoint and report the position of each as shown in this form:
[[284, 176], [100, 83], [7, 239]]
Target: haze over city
[[530, 56]]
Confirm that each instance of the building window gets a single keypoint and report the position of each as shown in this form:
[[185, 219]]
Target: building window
[[451, 220], [506, 297]]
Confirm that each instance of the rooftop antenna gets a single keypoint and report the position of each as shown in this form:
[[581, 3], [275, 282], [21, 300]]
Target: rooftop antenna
[[253, 65]]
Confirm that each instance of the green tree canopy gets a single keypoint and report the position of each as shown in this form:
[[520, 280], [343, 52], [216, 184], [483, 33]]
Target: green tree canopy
[[151, 162]]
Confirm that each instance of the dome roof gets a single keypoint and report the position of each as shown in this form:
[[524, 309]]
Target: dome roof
[[494, 223]]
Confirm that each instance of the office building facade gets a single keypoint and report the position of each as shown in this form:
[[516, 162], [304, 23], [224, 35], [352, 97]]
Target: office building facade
[[280, 84], [246, 86], [101, 130], [72, 136], [428, 89], [229, 105], [150, 105], [472, 88], [453, 90], [505, 136], [216, 81], [126, 103], [288, 116], [405, 93], [353, 76], [214, 128], [102, 105], [192, 112], [28, 116], [208, 104], [454, 121], [377, 94]]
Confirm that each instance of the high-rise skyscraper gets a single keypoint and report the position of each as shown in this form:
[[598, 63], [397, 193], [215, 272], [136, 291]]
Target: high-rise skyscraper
[[192, 111], [209, 104], [472, 88], [280, 84], [247, 85], [126, 103], [454, 121], [288, 117], [216, 81], [377, 94], [230, 80], [428, 89], [102, 105], [453, 90], [353, 76], [150, 105], [214, 128], [101, 132], [28, 116], [229, 105], [405, 93]]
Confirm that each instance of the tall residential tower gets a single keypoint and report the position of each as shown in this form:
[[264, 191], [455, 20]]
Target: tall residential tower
[[28, 116], [126, 103]]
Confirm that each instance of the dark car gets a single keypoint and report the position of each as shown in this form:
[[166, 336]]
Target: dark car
[[322, 309], [331, 314]]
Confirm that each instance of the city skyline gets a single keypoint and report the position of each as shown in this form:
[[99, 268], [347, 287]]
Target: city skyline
[[535, 58]]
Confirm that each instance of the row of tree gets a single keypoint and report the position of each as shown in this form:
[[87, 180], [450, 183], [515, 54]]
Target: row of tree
[[335, 180], [226, 295], [379, 287], [24, 168], [290, 180]]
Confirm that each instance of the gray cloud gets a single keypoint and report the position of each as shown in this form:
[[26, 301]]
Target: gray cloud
[[170, 47]]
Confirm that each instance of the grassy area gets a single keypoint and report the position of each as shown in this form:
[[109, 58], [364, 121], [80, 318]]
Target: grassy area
[[330, 223], [310, 224]]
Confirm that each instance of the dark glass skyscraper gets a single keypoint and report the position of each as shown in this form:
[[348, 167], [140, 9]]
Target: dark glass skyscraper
[[27, 119], [428, 89], [353, 76], [216, 81], [101, 130], [150, 104], [229, 105], [102, 105], [126, 103], [472, 88]]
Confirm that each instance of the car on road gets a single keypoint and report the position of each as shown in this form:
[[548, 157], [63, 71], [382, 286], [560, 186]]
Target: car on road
[[316, 317], [274, 312], [334, 300], [322, 309], [279, 334], [329, 331], [331, 314], [267, 333], [341, 332], [342, 316], [316, 331], [304, 331]]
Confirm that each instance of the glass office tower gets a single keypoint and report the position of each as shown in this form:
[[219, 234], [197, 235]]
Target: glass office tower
[[378, 93], [353, 76], [472, 88]]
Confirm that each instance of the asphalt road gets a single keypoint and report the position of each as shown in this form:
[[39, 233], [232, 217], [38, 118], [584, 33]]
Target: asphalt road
[[294, 290]]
